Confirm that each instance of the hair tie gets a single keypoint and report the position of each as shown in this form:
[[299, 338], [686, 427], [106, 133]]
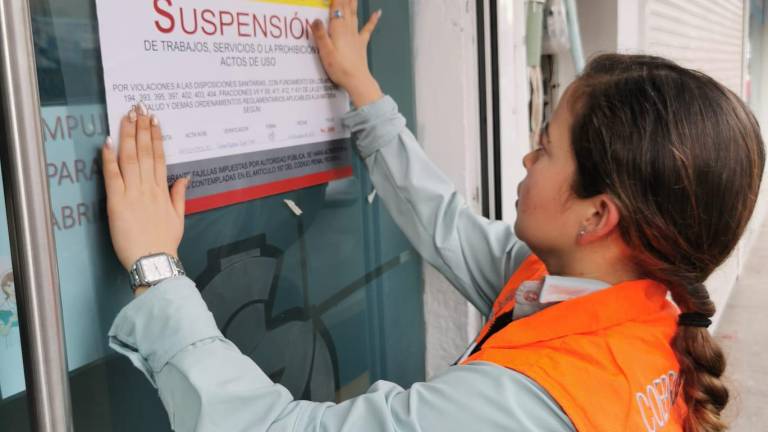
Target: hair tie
[[694, 319]]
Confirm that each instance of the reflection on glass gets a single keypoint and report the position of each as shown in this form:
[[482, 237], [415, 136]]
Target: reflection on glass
[[13, 403], [326, 302]]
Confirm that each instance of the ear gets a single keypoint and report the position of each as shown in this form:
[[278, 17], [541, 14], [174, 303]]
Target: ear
[[602, 220]]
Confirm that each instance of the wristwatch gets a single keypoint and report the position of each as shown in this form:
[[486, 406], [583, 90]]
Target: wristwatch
[[152, 269]]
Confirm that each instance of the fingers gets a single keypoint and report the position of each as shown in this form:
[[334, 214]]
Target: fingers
[[144, 149], [335, 4], [334, 22], [348, 20], [113, 180], [178, 195], [141, 156], [323, 41], [161, 170], [127, 159], [370, 26], [346, 6], [350, 14]]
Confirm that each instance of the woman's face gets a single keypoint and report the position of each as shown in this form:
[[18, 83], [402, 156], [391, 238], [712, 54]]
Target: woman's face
[[547, 219]]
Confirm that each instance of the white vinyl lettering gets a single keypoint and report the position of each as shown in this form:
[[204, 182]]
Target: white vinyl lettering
[[656, 402]]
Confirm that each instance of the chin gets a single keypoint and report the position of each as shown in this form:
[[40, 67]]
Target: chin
[[520, 232], [528, 236]]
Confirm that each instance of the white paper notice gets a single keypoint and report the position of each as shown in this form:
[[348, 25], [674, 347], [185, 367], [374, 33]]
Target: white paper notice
[[237, 85]]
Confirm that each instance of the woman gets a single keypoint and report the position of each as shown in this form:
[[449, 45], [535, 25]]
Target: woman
[[642, 185]]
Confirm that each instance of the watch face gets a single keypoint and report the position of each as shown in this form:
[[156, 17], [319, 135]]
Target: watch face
[[156, 268]]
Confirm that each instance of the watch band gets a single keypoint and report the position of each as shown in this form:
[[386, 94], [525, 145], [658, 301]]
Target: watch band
[[138, 279]]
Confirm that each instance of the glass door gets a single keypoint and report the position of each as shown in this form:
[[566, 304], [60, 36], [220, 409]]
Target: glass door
[[14, 414], [340, 278]]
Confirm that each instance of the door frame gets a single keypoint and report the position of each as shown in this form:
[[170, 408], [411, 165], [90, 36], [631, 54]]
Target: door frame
[[30, 227]]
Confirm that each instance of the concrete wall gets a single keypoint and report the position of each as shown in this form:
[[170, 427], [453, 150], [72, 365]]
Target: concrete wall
[[447, 112], [514, 96]]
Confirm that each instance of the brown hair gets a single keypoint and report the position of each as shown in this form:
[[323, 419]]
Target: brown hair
[[683, 158]]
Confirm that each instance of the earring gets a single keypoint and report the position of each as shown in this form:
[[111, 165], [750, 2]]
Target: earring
[[581, 233]]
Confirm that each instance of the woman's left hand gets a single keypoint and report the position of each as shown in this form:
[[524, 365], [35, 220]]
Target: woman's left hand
[[144, 216], [343, 51]]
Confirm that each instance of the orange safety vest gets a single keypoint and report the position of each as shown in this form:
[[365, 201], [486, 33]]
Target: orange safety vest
[[604, 357]]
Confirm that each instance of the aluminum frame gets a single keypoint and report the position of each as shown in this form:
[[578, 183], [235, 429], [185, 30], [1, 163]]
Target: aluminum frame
[[30, 226]]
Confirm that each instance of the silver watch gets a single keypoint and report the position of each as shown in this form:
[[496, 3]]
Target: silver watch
[[152, 269]]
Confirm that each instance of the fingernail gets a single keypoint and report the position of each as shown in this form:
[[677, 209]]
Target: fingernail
[[153, 119], [142, 109], [108, 142], [132, 115], [379, 12]]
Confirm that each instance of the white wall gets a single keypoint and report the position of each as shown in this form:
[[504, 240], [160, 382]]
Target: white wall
[[447, 116], [599, 21], [759, 104], [513, 101]]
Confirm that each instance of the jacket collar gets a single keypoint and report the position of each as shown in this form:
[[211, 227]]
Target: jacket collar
[[628, 301], [561, 288], [534, 295]]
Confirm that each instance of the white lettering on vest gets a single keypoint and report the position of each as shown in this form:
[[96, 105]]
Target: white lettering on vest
[[657, 400]]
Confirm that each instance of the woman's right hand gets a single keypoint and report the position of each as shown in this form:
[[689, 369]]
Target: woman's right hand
[[144, 216], [343, 51]]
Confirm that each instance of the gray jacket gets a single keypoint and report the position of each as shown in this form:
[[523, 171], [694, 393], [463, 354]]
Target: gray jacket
[[206, 384]]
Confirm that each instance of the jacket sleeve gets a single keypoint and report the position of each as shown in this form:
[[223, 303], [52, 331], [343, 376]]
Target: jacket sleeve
[[475, 254], [207, 385]]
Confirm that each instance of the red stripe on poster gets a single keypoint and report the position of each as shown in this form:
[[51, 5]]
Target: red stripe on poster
[[210, 202]]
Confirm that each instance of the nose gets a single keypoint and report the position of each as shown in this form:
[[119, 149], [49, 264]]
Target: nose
[[528, 160]]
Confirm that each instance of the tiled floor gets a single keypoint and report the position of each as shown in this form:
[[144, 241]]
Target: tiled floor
[[743, 333]]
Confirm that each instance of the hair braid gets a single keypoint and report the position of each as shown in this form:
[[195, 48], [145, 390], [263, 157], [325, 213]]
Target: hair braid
[[701, 365]]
